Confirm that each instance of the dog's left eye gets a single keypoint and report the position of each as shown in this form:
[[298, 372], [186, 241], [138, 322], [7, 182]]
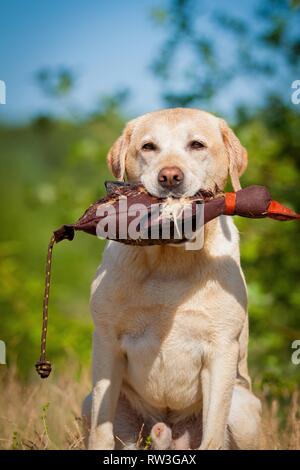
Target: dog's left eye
[[197, 145], [149, 146]]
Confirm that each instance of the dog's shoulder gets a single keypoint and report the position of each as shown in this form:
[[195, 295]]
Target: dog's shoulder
[[222, 239]]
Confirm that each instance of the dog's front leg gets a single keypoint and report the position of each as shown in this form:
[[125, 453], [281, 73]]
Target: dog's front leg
[[108, 369], [217, 393]]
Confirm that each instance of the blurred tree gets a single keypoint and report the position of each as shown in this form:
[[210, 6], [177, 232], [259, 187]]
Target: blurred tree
[[58, 85], [207, 49], [56, 82], [112, 105]]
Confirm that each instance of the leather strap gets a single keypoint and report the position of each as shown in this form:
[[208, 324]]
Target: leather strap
[[230, 203]]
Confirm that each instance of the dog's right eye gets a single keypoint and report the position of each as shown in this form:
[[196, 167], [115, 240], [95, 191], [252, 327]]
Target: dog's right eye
[[149, 146], [197, 145]]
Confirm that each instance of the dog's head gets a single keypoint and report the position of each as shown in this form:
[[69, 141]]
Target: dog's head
[[176, 152]]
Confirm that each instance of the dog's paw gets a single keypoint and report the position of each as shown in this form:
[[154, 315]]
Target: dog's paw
[[211, 445], [97, 442]]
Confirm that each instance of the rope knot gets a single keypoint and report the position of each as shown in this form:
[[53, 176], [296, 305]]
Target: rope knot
[[43, 368]]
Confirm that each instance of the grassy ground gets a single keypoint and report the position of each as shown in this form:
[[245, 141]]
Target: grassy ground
[[46, 414]]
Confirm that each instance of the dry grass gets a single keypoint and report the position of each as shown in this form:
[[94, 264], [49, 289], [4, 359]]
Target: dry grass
[[281, 432], [46, 414]]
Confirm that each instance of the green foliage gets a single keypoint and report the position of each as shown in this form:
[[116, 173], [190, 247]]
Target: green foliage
[[208, 48], [56, 83], [51, 171], [270, 254], [148, 443], [16, 442]]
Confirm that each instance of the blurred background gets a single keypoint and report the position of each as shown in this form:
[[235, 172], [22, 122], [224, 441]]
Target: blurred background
[[74, 73]]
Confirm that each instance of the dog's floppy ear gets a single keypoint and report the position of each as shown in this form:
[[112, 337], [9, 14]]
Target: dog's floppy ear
[[237, 154], [116, 157]]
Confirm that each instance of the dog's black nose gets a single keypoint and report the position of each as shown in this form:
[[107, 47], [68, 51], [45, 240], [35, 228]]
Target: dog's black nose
[[170, 177]]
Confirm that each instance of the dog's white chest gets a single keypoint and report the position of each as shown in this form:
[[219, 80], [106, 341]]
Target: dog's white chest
[[166, 320], [165, 368]]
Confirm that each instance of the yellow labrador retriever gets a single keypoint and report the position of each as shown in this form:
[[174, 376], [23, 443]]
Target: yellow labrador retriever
[[171, 325]]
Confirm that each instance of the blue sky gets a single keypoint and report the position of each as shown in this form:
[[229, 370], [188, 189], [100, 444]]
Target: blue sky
[[109, 45]]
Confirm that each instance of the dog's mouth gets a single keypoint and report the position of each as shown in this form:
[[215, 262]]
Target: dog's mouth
[[207, 193], [202, 193]]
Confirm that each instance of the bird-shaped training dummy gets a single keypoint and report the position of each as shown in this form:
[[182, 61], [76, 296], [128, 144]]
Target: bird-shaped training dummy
[[129, 214]]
